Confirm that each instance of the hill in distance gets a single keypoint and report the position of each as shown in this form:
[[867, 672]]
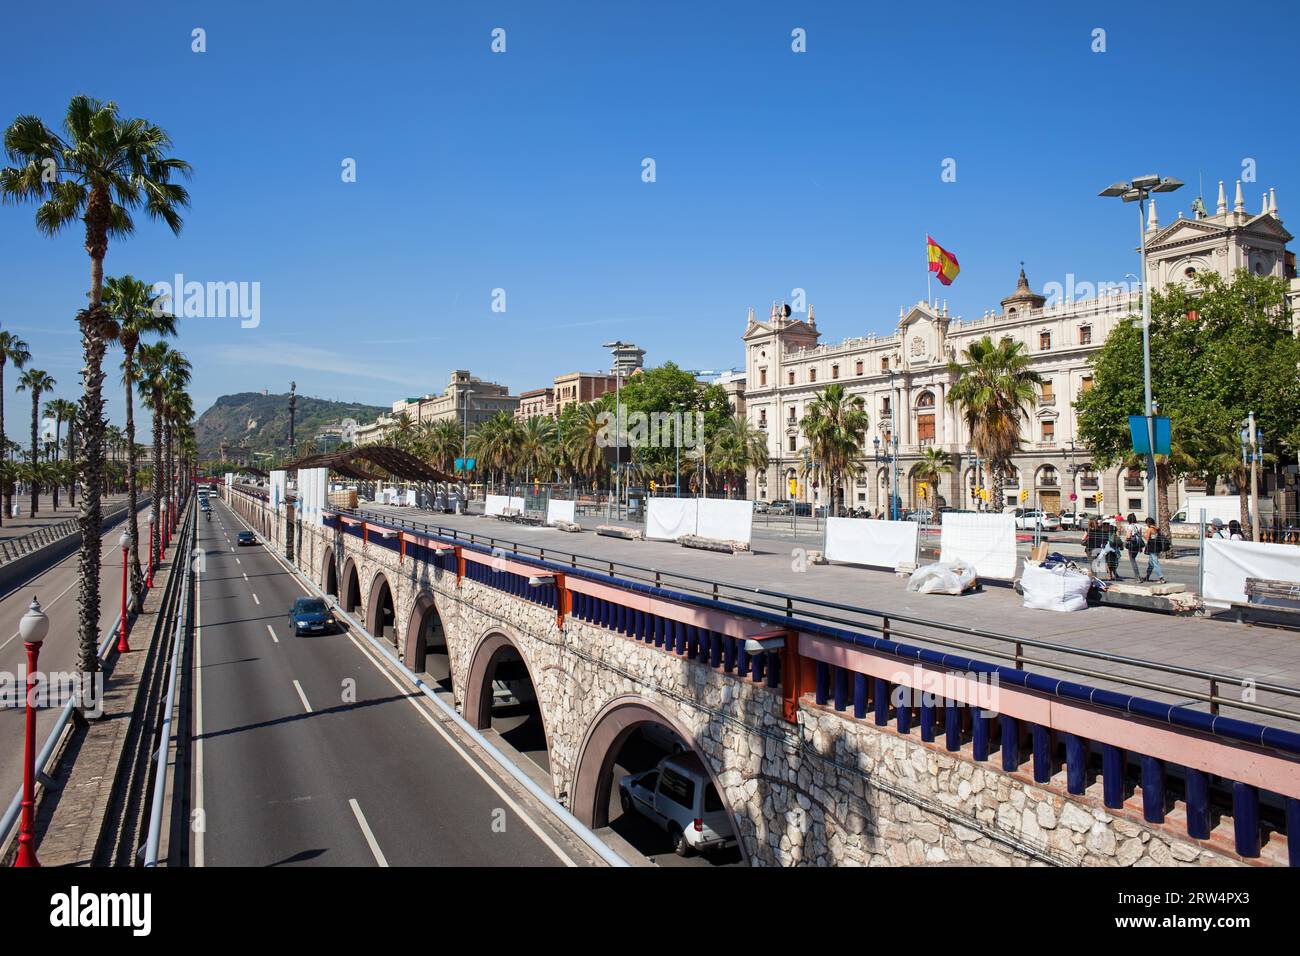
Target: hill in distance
[[264, 420]]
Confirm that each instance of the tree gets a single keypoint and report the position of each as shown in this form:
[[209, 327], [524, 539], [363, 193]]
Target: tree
[[12, 349], [1220, 348], [836, 426], [61, 410], [495, 443], [536, 440], [934, 464], [101, 169], [158, 364], [994, 387], [137, 311], [581, 427], [738, 447], [37, 382]]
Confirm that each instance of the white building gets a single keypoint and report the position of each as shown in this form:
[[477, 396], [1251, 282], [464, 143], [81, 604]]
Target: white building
[[903, 377]]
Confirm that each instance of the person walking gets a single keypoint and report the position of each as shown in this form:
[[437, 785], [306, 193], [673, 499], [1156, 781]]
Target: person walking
[[1089, 542], [1114, 545], [1133, 543], [1234, 531], [1154, 543]]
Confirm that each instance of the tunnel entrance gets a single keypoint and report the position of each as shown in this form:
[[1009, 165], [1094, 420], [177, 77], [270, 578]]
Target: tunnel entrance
[[351, 589], [426, 644], [331, 577], [501, 696], [383, 616], [641, 779]]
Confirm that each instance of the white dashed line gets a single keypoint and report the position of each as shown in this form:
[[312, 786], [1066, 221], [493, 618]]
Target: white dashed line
[[270, 630], [302, 696], [365, 830], [256, 600]]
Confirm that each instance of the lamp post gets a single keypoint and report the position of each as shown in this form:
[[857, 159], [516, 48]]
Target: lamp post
[[890, 457], [1138, 191], [125, 543], [618, 436], [1252, 443], [33, 627]]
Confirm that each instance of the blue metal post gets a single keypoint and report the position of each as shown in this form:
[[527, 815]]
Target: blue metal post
[[757, 662], [1245, 818], [729, 654], [1153, 789], [773, 670], [1076, 763], [823, 687], [1112, 776], [927, 718], [1198, 803], [859, 696], [1293, 831], [1010, 743], [1042, 753], [903, 715], [841, 688], [952, 726], [679, 647], [882, 701], [716, 640], [979, 735]]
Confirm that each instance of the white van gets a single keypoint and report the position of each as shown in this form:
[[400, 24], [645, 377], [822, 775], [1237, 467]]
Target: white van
[[679, 796]]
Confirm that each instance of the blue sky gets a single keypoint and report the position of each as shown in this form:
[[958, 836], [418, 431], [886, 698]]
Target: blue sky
[[522, 170]]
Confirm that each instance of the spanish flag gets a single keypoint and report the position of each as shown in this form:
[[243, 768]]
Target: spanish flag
[[942, 262]]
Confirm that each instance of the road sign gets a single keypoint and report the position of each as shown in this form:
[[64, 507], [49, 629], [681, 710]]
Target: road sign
[[1137, 426], [1073, 496]]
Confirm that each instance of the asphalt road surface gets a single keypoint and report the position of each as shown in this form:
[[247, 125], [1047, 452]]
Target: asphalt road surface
[[307, 751]]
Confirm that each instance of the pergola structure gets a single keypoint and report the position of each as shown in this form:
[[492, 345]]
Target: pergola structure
[[359, 464]]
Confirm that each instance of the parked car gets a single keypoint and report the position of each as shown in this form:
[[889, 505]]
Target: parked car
[[679, 797], [779, 507], [1027, 519], [921, 514], [311, 615], [760, 507], [1075, 519], [246, 537]]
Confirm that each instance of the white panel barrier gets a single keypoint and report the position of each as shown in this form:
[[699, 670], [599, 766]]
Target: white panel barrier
[[560, 511], [1229, 563], [277, 489], [988, 542], [885, 544], [725, 520], [311, 493], [498, 504], [667, 519]]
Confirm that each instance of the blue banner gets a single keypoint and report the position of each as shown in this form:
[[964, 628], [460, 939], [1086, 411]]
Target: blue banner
[[1137, 426]]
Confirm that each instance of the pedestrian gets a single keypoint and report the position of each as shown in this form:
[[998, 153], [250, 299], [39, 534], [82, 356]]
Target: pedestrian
[[1114, 545], [1155, 543], [1090, 544], [1133, 543], [1234, 531]]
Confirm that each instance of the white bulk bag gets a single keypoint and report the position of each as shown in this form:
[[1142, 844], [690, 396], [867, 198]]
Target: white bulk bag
[[1054, 589]]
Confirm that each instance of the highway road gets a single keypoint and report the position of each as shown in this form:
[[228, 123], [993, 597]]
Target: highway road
[[56, 587], [309, 751]]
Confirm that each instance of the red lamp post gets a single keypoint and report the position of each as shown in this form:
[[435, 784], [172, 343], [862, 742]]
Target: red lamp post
[[33, 628], [125, 542], [166, 525], [149, 580]]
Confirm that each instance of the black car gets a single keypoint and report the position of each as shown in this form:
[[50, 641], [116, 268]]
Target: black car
[[247, 537], [311, 616]]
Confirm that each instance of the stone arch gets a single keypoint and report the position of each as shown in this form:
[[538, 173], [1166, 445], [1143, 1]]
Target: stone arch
[[593, 777], [329, 573], [494, 645], [350, 594], [381, 608], [426, 628]]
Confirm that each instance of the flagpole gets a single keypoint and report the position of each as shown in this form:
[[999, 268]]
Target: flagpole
[[928, 293]]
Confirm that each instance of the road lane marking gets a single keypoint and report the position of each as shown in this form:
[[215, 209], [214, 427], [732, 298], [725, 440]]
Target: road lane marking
[[255, 599], [365, 830], [270, 630], [237, 561], [245, 574], [301, 695]]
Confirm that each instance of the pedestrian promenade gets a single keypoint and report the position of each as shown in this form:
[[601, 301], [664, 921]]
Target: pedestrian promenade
[[1258, 653]]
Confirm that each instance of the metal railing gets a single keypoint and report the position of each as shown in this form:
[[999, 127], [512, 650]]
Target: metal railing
[[13, 548], [1007, 647]]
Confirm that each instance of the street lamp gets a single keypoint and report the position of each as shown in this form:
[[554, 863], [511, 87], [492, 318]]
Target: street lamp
[[618, 437], [125, 543], [891, 458], [1138, 191], [33, 627]]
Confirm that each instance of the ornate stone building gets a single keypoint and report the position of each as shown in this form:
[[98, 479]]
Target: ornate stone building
[[904, 380]]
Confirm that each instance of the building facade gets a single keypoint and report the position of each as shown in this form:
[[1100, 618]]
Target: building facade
[[568, 389], [467, 398], [904, 380]]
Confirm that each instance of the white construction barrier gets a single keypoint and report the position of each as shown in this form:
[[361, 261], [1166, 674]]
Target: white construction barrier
[[278, 491], [986, 541], [667, 519], [311, 493], [1229, 563], [498, 504], [560, 511], [885, 544]]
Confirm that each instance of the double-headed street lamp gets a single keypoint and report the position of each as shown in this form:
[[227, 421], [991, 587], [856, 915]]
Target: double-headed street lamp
[[33, 627], [1138, 191], [149, 581], [890, 456], [1252, 453]]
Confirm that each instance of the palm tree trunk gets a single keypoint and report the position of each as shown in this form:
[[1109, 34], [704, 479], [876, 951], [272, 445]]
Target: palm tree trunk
[[72, 457], [4, 445], [132, 492], [1162, 497], [155, 480], [90, 476], [58, 427], [36, 485]]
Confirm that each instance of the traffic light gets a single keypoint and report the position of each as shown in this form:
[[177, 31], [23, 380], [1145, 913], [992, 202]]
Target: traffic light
[[794, 487], [1024, 495]]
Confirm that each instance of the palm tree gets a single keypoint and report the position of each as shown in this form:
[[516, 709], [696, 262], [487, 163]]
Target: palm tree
[[495, 443], [151, 380], [934, 464], [737, 447], [536, 440], [177, 413], [582, 443], [135, 308], [836, 425], [35, 381], [994, 387], [12, 349], [444, 443], [104, 167], [61, 410], [10, 475]]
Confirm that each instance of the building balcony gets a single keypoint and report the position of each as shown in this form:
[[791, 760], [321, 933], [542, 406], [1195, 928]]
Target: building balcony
[[1134, 484], [1088, 484]]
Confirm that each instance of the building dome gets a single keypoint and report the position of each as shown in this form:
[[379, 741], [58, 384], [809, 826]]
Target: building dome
[[1023, 298]]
